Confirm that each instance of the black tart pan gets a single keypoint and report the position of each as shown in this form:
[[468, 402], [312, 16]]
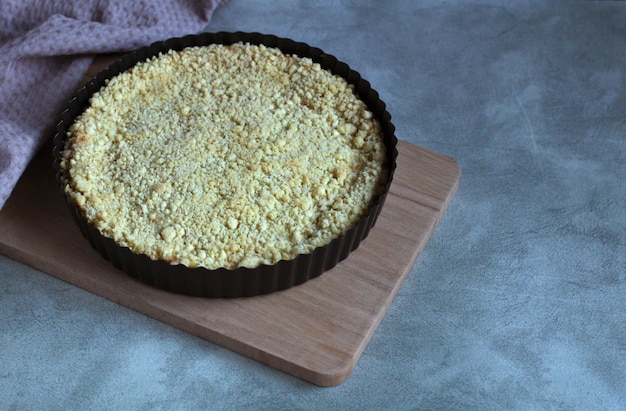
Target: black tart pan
[[222, 282]]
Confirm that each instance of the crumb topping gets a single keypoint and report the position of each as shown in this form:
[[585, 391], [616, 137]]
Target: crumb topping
[[224, 156]]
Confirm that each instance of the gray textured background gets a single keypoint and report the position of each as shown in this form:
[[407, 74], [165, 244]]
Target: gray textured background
[[519, 298]]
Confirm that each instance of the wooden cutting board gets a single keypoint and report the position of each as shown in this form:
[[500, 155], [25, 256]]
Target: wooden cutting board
[[315, 331]]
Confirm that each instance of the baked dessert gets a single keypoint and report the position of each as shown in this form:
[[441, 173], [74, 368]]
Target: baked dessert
[[224, 156]]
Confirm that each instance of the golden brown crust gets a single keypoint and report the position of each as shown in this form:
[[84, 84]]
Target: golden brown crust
[[224, 156]]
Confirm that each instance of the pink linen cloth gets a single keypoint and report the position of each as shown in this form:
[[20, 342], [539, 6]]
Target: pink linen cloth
[[47, 46]]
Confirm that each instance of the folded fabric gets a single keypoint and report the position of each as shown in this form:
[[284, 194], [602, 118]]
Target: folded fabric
[[47, 46]]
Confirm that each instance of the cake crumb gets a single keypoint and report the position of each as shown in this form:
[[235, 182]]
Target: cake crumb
[[168, 234]]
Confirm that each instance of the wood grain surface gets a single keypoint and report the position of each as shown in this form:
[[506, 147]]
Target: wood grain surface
[[315, 331]]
